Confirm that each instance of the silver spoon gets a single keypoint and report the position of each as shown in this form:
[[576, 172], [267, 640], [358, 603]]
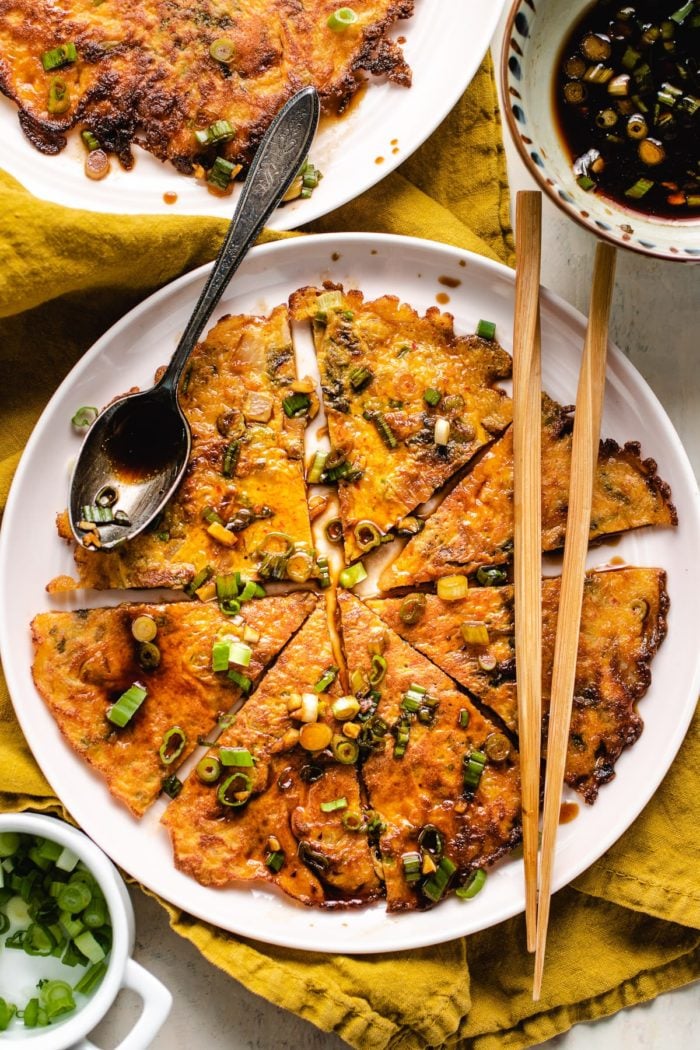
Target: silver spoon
[[136, 451]]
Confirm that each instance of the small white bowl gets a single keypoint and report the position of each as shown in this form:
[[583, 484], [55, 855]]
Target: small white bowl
[[122, 970], [534, 35]]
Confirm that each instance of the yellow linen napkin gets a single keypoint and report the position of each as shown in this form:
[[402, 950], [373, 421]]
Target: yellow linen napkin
[[628, 929]]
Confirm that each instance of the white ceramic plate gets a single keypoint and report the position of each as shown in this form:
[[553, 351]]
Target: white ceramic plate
[[445, 42], [30, 554]]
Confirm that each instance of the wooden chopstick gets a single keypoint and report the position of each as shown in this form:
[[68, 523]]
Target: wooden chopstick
[[584, 458], [527, 535]]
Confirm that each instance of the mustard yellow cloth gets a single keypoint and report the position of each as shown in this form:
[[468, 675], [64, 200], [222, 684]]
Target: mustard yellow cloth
[[628, 929]]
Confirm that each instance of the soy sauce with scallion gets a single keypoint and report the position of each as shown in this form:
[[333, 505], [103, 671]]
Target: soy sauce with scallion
[[627, 100]]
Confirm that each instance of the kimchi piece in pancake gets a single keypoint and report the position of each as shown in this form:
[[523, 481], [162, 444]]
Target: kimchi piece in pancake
[[156, 72], [407, 401], [623, 622], [473, 526], [424, 740], [243, 494], [84, 661], [295, 803]]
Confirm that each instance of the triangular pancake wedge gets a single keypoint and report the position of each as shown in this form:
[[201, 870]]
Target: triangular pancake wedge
[[84, 661], [424, 788], [392, 383], [623, 622], [474, 524], [299, 803], [245, 476]]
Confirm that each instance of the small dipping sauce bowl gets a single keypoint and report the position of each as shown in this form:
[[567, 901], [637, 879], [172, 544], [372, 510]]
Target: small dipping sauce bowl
[[535, 33], [20, 972]]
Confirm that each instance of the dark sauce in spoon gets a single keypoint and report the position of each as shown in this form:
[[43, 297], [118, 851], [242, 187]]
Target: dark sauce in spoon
[[144, 441], [627, 100]]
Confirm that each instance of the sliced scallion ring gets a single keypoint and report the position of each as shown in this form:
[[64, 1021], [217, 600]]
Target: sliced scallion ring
[[235, 790], [341, 19], [84, 416], [174, 743]]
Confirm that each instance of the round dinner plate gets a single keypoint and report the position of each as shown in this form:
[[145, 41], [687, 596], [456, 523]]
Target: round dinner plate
[[31, 554], [444, 45]]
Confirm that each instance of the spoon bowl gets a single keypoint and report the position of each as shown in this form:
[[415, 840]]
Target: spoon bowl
[[135, 453]]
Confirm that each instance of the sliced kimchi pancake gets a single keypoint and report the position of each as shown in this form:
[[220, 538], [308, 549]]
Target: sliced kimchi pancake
[[295, 802], [623, 622], [84, 661], [429, 777], [474, 524], [408, 403], [244, 480], [157, 71]]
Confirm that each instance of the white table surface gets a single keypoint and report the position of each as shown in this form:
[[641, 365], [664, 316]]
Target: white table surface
[[655, 321]]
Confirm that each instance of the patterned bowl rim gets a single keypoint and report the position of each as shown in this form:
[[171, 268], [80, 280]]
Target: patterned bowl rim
[[553, 191]]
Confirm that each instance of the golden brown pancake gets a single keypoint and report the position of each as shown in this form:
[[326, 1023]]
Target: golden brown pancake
[[233, 394], [84, 661], [377, 360], [144, 73], [474, 524], [425, 788], [324, 862], [623, 622]]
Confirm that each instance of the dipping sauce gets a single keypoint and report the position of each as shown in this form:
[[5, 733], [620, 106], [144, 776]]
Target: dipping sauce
[[627, 100]]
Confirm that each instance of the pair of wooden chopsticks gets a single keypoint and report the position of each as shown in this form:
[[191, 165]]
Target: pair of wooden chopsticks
[[527, 429]]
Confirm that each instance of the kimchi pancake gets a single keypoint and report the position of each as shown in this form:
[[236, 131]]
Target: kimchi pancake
[[287, 786], [156, 72], [623, 622], [84, 661], [244, 479], [423, 790], [473, 526], [407, 401]]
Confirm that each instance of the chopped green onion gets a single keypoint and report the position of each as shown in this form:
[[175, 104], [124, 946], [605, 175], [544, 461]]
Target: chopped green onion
[[640, 187], [275, 860], [7, 1012], [353, 575], [172, 786], [402, 731], [326, 680], [174, 743], [67, 860], [9, 843], [487, 576], [221, 173], [431, 840], [353, 821], [250, 591], [235, 790], [324, 575], [586, 182], [383, 429], [345, 751], [241, 680], [329, 301], [412, 608], [378, 670], [682, 13], [441, 433], [74, 897], [295, 405], [59, 56], [208, 769], [474, 764], [431, 396], [222, 50], [99, 515], [57, 998], [334, 531], [91, 978], [231, 456], [486, 329], [59, 96], [475, 633], [148, 656], [236, 756], [336, 803], [38, 940], [434, 887], [219, 656], [316, 469], [463, 718], [472, 886], [239, 653], [412, 867], [452, 588], [121, 712], [198, 580], [219, 131], [85, 942], [341, 19], [360, 377], [89, 141]]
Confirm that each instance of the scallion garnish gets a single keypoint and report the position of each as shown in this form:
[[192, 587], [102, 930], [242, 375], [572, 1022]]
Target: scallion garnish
[[360, 377], [474, 764], [121, 712], [486, 329], [174, 743], [296, 404], [172, 786], [235, 790], [232, 454], [334, 531], [324, 574], [219, 131], [432, 840], [236, 756], [275, 860], [222, 173], [89, 141], [208, 769], [412, 863], [473, 885], [341, 19], [490, 576], [59, 97], [377, 671], [222, 50], [241, 680], [336, 803], [198, 580], [84, 416], [463, 718], [315, 473], [452, 588], [431, 397], [475, 633], [383, 429], [326, 680], [353, 575], [434, 887], [345, 751], [639, 189], [59, 56], [402, 733], [412, 608]]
